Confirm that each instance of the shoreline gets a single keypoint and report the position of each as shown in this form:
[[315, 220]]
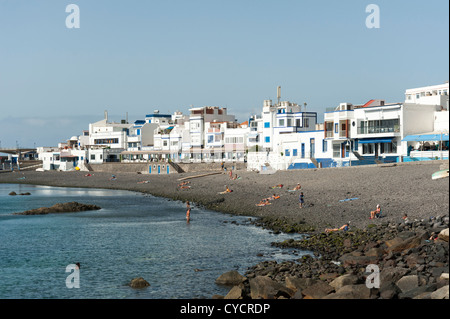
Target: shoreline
[[333, 196]]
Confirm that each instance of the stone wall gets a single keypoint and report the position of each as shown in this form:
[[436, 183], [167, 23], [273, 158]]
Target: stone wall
[[143, 167]]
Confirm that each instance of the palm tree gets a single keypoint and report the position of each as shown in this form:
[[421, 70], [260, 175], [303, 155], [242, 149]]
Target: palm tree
[[304, 104]]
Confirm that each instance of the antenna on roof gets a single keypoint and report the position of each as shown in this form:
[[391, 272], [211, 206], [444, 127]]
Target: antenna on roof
[[279, 94]]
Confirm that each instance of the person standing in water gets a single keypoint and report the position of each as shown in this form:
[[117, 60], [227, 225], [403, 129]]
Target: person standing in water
[[188, 212]]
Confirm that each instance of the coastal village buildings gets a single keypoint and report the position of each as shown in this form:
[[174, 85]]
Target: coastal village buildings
[[284, 136]]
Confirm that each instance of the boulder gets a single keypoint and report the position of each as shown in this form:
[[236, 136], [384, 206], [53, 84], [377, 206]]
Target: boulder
[[409, 243], [12, 194], [420, 292], [230, 278], [389, 290], [138, 283], [441, 293], [263, 287], [237, 292], [443, 235], [392, 274], [70, 207], [297, 284], [351, 292], [317, 291], [352, 260], [344, 280], [407, 283]]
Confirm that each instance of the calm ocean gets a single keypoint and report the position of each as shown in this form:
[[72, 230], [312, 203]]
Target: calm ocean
[[133, 235]]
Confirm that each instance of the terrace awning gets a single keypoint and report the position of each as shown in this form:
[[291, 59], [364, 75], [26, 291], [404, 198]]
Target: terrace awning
[[376, 140], [426, 137]]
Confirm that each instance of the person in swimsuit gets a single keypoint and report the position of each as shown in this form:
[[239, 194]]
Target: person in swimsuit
[[343, 227], [188, 212], [375, 213], [301, 200]]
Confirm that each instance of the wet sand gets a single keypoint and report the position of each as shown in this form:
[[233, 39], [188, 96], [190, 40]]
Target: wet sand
[[399, 188]]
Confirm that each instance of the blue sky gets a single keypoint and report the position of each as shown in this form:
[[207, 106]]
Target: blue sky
[[137, 56]]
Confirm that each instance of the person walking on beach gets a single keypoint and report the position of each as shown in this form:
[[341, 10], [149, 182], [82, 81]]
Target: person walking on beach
[[188, 212], [301, 200]]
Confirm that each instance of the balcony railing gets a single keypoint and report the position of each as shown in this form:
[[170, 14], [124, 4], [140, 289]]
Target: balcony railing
[[377, 130]]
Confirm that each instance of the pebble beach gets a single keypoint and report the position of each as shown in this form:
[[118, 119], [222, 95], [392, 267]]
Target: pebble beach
[[333, 196]]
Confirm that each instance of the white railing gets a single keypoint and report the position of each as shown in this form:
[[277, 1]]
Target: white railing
[[429, 154]]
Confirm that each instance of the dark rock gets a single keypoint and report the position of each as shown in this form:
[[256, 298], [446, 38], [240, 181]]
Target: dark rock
[[12, 194], [230, 278], [350, 259], [299, 283], [406, 244], [139, 283], [263, 287], [351, 292], [237, 292], [407, 283], [389, 290], [392, 274], [415, 292], [317, 291], [70, 207]]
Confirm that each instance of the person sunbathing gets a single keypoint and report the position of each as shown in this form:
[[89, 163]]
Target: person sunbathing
[[277, 186], [263, 202], [343, 227], [275, 196], [375, 213], [298, 187]]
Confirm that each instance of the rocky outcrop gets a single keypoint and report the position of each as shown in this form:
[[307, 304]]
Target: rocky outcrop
[[412, 258], [230, 278], [139, 283], [60, 208]]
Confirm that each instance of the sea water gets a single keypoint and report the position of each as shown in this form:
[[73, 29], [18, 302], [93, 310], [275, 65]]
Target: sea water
[[133, 235]]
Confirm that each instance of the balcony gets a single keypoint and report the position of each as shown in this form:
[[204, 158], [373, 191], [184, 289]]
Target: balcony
[[378, 130]]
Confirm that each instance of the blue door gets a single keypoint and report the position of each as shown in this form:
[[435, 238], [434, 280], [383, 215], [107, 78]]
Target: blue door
[[159, 169], [150, 169], [303, 150], [168, 169]]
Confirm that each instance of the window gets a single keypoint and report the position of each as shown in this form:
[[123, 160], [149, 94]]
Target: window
[[289, 122], [164, 143], [266, 124], [324, 146], [336, 150], [281, 123], [306, 122], [267, 139], [287, 153], [297, 122], [210, 138], [106, 141], [92, 156], [294, 152], [336, 128]]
